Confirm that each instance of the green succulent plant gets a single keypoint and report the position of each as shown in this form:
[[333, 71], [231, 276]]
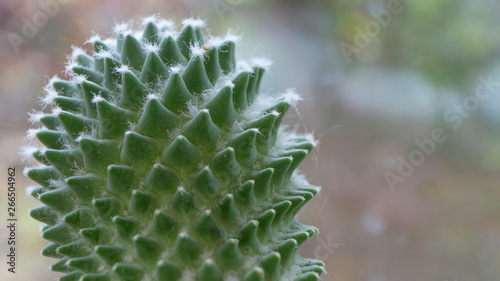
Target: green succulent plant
[[162, 162]]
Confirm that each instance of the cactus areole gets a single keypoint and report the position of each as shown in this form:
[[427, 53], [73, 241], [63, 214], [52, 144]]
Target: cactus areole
[[162, 162]]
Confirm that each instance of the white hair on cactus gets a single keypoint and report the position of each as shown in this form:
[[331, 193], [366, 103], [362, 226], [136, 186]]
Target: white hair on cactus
[[291, 97], [123, 28], [168, 33], [215, 41], [150, 19], [122, 68], [68, 68], [231, 37], [196, 51], [110, 42], [194, 22], [261, 62], [76, 51], [57, 183], [97, 99], [103, 54], [229, 83], [49, 95], [165, 24], [31, 134], [30, 189], [149, 47], [26, 153], [94, 38], [56, 110], [78, 78], [176, 69], [35, 116]]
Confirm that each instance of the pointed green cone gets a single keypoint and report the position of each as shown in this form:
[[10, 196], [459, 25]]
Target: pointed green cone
[[154, 70], [80, 218], [90, 74], [60, 233], [248, 237], [64, 88], [133, 91], [212, 65], [182, 155], [208, 271], [224, 165], [126, 227], [201, 131], [162, 180], [121, 180], [98, 61], [287, 251], [186, 249], [50, 251], [70, 104], [142, 203], [85, 187], [280, 166], [113, 120], [245, 196], [228, 255], [85, 60], [265, 125], [111, 75], [262, 188], [206, 183], [206, 229], [61, 266], [128, 272], [53, 139], [150, 34], [265, 222], [61, 199], [100, 234], [254, 84], [98, 154], [186, 39], [221, 108], [107, 207], [226, 211], [281, 208], [271, 265], [227, 57], [244, 147], [166, 270], [147, 249], [66, 162], [110, 253], [195, 76], [256, 274], [148, 124], [96, 277], [79, 248], [169, 52], [176, 95], [50, 121], [182, 202], [164, 226], [43, 175], [75, 124], [45, 214], [310, 276], [240, 91], [297, 156], [139, 150], [132, 52]]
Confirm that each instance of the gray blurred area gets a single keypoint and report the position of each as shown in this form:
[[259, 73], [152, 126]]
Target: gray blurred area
[[403, 97]]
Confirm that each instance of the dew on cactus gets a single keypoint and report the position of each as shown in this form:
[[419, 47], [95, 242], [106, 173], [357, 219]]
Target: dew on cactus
[[161, 161]]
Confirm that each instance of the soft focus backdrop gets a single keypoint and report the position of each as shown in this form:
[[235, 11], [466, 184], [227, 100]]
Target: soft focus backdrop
[[379, 80]]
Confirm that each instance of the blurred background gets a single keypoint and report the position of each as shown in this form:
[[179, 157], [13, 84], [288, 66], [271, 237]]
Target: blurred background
[[377, 77]]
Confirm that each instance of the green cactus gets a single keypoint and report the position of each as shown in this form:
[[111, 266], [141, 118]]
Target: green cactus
[[162, 163]]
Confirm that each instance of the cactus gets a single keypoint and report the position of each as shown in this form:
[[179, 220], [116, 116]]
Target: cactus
[[162, 162]]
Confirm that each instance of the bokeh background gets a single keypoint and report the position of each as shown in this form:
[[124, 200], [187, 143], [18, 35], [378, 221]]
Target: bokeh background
[[375, 75]]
